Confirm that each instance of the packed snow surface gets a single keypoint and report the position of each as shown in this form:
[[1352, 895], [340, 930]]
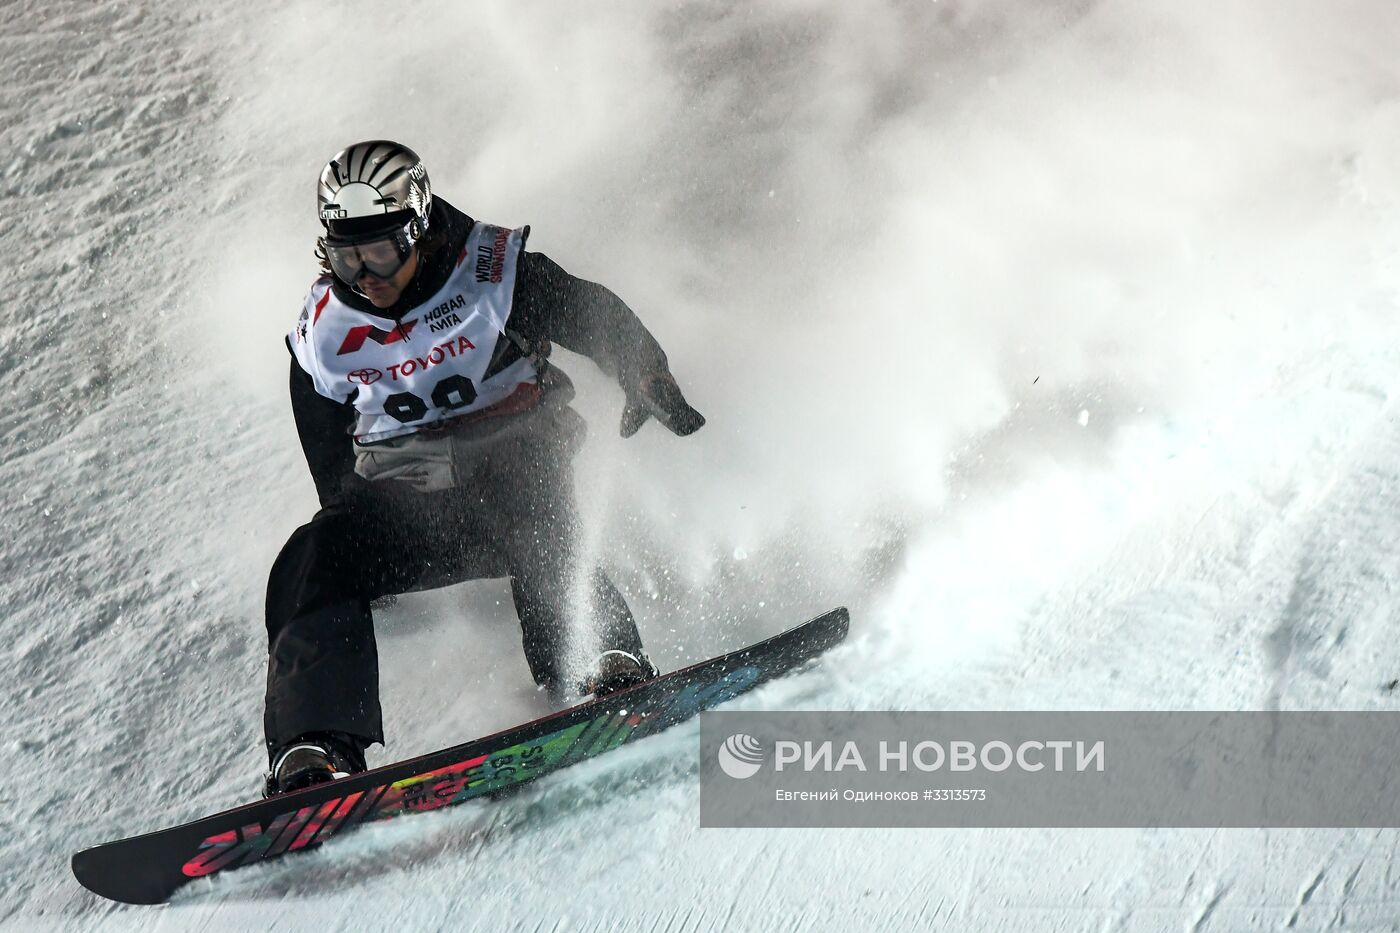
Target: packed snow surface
[[1059, 340]]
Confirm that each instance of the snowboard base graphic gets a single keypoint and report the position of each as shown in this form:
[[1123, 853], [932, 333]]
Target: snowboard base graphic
[[147, 869]]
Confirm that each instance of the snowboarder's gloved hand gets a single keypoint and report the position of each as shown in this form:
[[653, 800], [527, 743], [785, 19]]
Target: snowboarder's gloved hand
[[658, 396]]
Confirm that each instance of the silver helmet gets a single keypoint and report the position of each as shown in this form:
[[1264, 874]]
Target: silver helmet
[[372, 188]]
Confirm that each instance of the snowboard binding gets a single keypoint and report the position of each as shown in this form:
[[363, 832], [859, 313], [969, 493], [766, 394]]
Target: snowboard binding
[[313, 759]]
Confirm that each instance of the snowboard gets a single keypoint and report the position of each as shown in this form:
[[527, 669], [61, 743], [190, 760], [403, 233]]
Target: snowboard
[[147, 869]]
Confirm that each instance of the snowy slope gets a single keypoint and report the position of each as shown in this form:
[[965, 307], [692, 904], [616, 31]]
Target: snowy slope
[[1061, 341]]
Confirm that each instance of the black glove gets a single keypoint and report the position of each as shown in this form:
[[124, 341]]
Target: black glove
[[658, 396]]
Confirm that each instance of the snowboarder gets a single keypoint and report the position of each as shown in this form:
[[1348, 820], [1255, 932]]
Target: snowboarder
[[440, 441]]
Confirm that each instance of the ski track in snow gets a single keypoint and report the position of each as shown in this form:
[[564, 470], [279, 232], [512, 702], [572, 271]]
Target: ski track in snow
[[1219, 532]]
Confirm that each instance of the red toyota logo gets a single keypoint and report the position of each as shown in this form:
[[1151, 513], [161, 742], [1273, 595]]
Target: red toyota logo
[[365, 376]]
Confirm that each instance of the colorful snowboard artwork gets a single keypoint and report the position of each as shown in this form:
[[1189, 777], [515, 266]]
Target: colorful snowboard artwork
[[474, 777], [147, 869]]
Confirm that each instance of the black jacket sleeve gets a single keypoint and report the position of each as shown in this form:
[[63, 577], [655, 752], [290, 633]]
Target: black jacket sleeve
[[324, 426], [550, 304]]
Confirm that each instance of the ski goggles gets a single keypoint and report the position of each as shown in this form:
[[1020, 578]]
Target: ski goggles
[[381, 257]]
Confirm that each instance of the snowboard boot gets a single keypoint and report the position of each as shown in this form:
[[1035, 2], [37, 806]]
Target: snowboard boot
[[314, 759], [617, 670]]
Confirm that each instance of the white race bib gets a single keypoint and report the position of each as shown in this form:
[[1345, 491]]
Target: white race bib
[[431, 364]]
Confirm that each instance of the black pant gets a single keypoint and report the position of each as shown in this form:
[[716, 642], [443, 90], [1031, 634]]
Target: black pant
[[516, 519]]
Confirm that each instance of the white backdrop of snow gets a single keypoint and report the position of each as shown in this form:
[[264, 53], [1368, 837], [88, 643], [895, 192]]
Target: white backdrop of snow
[[1058, 340]]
